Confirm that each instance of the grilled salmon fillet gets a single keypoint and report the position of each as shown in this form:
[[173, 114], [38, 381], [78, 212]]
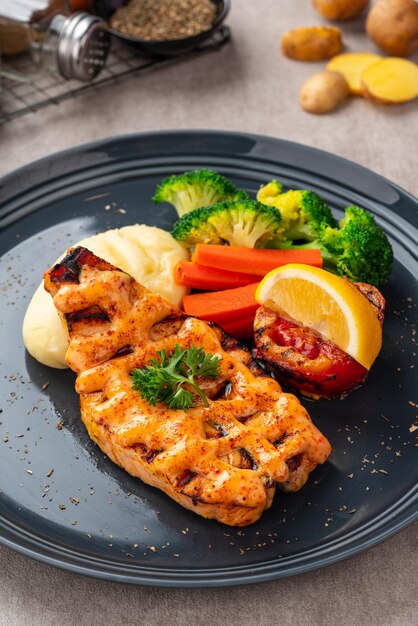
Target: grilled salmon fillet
[[223, 461]]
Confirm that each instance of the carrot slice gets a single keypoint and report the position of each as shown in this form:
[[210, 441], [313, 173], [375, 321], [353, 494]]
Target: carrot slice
[[240, 328], [252, 260], [207, 278], [222, 306]]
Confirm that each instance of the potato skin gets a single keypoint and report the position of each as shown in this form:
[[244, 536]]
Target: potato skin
[[323, 92], [340, 10], [393, 26], [312, 43]]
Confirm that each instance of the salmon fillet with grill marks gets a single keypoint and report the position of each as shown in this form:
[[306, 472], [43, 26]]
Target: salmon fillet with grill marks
[[223, 461]]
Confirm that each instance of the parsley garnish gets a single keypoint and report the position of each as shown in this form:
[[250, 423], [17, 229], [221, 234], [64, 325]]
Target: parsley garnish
[[164, 379]]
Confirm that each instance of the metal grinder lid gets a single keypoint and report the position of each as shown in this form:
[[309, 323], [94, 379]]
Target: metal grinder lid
[[83, 45]]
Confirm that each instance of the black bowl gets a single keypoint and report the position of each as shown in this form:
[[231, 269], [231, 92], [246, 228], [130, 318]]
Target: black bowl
[[168, 47]]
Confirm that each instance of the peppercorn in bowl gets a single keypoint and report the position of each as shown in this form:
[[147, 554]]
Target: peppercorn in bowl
[[163, 27]]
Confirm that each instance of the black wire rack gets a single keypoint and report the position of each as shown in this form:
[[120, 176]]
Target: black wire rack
[[24, 91]]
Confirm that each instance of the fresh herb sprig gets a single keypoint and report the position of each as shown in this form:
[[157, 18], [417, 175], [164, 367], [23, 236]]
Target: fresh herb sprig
[[163, 379]]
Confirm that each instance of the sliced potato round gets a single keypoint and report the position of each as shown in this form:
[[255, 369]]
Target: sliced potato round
[[391, 81], [323, 92], [352, 65]]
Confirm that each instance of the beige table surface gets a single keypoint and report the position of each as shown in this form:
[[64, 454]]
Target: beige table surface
[[247, 87]]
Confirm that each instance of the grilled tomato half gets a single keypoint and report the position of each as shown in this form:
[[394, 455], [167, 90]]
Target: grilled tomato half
[[302, 358]]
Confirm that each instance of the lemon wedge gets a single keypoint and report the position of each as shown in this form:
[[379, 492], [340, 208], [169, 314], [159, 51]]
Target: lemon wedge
[[327, 303]]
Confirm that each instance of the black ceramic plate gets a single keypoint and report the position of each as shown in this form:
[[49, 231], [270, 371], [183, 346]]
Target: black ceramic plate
[[88, 515]]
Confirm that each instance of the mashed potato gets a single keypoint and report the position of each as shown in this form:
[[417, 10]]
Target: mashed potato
[[147, 253]]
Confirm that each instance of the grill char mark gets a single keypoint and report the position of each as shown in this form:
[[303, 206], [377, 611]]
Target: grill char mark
[[269, 483], [69, 270], [291, 377], [247, 460], [90, 315], [170, 325], [148, 454], [215, 430], [280, 440], [294, 462], [185, 479], [123, 352]]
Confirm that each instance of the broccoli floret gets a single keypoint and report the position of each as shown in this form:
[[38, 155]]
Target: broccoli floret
[[267, 194], [243, 223], [358, 249], [304, 217], [195, 189], [194, 227]]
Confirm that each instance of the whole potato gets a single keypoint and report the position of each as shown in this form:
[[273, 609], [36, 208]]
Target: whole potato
[[393, 26], [340, 10], [323, 92], [312, 43]]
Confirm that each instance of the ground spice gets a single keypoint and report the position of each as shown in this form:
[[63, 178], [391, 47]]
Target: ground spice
[[161, 20]]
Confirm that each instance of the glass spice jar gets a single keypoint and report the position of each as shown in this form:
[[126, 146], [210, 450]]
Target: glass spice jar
[[50, 34]]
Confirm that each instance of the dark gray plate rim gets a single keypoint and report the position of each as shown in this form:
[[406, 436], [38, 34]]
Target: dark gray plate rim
[[391, 204]]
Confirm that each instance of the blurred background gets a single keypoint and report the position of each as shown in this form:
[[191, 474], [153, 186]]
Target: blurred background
[[247, 85]]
